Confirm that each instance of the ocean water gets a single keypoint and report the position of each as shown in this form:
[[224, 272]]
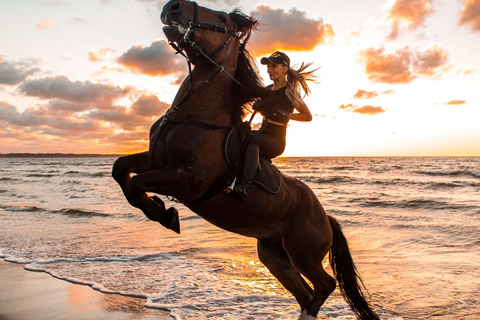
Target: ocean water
[[412, 223]]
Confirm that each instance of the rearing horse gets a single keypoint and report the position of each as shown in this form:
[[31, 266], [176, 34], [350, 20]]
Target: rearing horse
[[185, 158]]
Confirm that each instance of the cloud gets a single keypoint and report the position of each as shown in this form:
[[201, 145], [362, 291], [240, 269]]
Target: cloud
[[471, 14], [456, 102], [60, 87], [95, 55], [12, 73], [287, 30], [363, 94], [431, 62], [370, 110], [407, 13], [148, 106], [46, 24], [466, 71], [157, 59], [403, 65], [388, 91], [61, 124], [34, 119], [384, 67]]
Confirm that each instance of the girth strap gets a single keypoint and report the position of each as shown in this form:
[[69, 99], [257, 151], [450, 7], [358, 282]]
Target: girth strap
[[204, 125]]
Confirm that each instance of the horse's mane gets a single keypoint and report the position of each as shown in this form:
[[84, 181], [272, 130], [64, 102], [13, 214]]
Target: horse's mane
[[247, 72]]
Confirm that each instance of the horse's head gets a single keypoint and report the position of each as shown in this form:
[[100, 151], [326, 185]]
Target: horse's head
[[190, 25]]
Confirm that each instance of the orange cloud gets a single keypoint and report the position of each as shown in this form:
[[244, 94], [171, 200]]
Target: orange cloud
[[403, 65], [466, 72], [370, 110], [292, 30], [363, 94], [456, 102], [409, 13], [431, 62], [471, 14], [46, 24], [384, 67], [388, 91], [95, 55], [157, 59], [99, 129]]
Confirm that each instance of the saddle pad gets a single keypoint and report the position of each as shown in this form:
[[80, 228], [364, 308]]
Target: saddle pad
[[267, 176]]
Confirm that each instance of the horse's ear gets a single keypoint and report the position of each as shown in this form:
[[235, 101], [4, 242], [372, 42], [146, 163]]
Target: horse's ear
[[243, 22]]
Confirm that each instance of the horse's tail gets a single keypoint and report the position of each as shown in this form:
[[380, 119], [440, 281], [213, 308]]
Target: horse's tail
[[347, 275]]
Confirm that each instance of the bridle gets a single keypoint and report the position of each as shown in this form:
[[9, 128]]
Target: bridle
[[189, 41], [194, 25]]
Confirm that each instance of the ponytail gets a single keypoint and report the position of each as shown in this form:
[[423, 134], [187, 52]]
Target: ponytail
[[297, 82]]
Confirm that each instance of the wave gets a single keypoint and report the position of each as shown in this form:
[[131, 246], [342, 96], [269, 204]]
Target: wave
[[86, 175], [40, 175], [328, 180], [9, 179], [20, 208], [339, 168], [81, 213], [69, 212], [449, 173], [94, 285], [416, 204]]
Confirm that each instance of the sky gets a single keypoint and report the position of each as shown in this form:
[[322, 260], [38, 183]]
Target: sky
[[395, 77]]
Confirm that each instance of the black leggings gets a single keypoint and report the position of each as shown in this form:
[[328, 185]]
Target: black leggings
[[269, 146]]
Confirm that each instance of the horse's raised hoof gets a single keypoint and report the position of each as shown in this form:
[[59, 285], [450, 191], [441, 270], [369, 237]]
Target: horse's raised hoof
[[172, 216], [167, 218]]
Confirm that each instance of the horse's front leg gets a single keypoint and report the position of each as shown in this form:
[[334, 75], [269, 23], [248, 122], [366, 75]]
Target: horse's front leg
[[152, 207], [181, 182]]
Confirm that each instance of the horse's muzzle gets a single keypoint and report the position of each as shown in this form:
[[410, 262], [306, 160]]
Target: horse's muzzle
[[174, 32]]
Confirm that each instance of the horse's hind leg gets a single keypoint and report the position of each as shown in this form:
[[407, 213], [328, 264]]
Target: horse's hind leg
[[274, 257], [152, 207], [307, 243]]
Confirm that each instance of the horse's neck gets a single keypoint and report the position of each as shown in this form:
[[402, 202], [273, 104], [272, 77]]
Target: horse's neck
[[211, 102]]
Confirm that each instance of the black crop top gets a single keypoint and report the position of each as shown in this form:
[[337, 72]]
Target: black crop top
[[274, 104]]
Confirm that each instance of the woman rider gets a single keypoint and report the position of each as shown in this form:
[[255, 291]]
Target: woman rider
[[277, 109]]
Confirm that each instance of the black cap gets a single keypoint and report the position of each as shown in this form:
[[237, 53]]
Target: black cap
[[277, 57]]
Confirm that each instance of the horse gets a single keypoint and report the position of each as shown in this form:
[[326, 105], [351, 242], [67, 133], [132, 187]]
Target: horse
[[185, 158]]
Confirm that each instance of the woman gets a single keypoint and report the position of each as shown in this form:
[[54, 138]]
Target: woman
[[277, 109]]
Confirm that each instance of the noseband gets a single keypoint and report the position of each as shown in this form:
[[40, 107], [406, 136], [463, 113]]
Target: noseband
[[193, 26]]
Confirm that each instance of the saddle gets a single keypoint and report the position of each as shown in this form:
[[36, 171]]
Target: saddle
[[267, 176]]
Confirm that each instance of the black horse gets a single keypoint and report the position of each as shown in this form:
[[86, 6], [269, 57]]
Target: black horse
[[185, 158]]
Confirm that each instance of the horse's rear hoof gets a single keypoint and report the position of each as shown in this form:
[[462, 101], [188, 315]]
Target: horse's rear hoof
[[172, 217]]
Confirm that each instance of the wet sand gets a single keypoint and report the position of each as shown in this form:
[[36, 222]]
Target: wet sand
[[36, 295]]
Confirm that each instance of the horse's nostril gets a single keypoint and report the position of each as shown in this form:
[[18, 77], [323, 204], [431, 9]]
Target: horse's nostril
[[175, 6]]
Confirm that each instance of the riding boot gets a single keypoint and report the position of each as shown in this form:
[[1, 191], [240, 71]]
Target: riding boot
[[250, 165]]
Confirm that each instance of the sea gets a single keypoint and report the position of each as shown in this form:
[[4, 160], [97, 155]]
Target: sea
[[413, 226]]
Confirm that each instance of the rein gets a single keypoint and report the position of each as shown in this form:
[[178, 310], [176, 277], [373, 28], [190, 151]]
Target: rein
[[188, 39]]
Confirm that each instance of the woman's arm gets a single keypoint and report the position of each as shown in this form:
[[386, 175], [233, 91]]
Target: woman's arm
[[303, 112]]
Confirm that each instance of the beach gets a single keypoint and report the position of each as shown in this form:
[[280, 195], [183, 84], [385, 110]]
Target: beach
[[412, 226], [37, 295]]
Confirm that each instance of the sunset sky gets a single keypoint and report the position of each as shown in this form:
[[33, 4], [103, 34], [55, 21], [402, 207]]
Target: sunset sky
[[396, 77]]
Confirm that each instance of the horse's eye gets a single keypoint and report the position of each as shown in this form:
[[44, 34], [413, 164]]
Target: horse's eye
[[223, 19]]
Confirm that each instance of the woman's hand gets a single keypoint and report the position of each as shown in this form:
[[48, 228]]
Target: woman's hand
[[303, 113]]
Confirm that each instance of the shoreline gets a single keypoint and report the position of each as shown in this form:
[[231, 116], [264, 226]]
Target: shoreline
[[37, 295]]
